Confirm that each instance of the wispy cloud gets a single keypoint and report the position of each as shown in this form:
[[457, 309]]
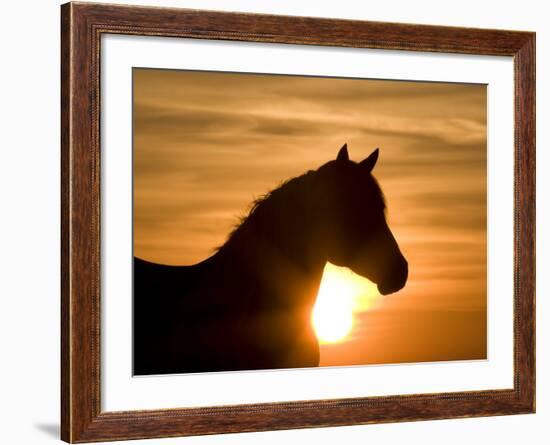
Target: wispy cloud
[[207, 144]]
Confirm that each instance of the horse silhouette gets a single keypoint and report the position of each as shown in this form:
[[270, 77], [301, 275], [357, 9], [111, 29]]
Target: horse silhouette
[[249, 305]]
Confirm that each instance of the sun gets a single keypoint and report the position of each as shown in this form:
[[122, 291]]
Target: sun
[[341, 293]]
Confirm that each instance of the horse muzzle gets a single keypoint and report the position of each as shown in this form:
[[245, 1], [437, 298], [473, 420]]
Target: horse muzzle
[[396, 280]]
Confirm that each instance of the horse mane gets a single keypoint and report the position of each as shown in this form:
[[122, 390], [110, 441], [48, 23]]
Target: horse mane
[[265, 204]]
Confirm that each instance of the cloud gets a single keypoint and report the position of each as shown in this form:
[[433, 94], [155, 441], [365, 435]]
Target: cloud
[[207, 144]]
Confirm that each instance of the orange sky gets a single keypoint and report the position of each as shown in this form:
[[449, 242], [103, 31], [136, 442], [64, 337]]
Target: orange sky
[[206, 144]]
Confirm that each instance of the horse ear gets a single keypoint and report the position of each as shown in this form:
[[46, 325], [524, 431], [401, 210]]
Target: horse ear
[[343, 153], [370, 161]]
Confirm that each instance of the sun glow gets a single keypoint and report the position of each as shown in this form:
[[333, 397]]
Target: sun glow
[[341, 294]]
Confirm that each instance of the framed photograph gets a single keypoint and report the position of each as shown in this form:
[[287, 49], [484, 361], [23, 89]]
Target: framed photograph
[[274, 222]]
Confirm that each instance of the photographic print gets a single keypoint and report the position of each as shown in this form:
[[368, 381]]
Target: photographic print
[[300, 222], [286, 221]]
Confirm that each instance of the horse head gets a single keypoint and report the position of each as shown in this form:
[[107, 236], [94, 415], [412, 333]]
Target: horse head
[[354, 231]]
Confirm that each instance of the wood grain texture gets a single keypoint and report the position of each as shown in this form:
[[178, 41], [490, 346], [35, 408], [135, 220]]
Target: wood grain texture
[[81, 28], [65, 226]]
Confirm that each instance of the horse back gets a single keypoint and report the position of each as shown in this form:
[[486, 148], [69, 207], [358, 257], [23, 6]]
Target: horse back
[[157, 308]]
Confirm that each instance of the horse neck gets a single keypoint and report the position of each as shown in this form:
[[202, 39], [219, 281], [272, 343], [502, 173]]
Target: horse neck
[[278, 245]]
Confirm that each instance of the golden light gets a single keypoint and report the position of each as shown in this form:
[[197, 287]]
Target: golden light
[[341, 294]]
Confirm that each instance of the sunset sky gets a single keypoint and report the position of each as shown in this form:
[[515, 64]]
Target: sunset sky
[[206, 144]]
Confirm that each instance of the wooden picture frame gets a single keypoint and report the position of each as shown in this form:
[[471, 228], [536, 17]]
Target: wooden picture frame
[[82, 25]]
